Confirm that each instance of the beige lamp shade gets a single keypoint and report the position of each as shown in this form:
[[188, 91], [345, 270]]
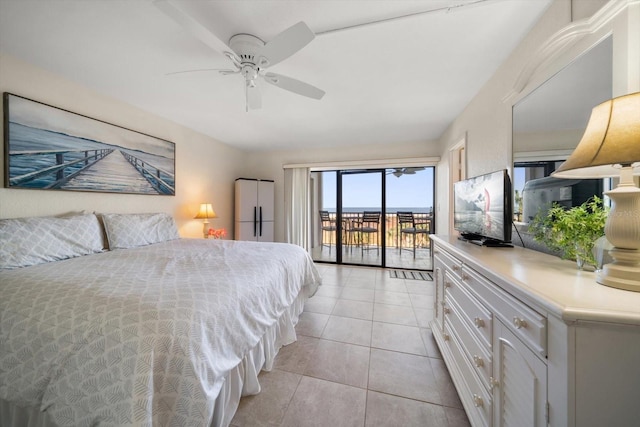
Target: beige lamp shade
[[612, 138], [206, 211]]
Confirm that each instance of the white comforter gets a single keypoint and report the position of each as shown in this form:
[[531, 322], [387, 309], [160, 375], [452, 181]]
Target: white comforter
[[141, 336]]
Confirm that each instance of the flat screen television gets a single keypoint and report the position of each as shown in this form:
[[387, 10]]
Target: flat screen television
[[483, 209]]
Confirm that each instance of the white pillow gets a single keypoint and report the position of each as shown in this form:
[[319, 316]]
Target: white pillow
[[131, 230], [31, 241]]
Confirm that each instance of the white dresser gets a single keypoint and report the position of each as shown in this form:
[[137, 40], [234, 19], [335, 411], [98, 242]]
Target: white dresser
[[531, 341]]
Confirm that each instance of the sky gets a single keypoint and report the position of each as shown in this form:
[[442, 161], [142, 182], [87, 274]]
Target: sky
[[364, 190]]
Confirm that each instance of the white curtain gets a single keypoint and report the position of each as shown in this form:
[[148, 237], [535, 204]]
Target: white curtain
[[297, 206]]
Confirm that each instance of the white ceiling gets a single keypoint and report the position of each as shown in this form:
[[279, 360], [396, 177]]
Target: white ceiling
[[396, 80]]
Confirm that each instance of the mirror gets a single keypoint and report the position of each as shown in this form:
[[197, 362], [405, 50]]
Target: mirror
[[548, 124]]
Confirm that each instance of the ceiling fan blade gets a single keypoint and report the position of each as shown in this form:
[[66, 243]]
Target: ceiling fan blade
[[285, 44], [253, 97], [220, 70], [196, 28], [293, 85]]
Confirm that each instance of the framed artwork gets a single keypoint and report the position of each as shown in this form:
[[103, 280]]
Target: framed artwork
[[49, 148]]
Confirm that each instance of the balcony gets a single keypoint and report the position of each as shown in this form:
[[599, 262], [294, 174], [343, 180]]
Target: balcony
[[363, 248]]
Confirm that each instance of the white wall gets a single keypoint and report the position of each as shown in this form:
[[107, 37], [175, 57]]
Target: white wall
[[205, 168], [268, 165], [487, 119]]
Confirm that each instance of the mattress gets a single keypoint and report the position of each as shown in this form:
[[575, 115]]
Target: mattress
[[150, 335]]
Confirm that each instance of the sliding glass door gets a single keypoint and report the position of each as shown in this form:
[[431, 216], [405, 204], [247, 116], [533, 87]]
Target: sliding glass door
[[374, 217], [361, 217]]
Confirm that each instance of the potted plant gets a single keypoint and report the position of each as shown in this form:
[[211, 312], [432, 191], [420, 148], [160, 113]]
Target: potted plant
[[572, 232]]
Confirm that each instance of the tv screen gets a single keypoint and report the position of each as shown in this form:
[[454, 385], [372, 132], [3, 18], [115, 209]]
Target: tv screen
[[482, 208]]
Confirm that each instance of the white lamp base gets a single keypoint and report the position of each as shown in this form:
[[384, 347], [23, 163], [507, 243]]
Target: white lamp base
[[623, 231], [624, 272]]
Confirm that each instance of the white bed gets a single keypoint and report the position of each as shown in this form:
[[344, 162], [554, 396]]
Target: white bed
[[171, 333]]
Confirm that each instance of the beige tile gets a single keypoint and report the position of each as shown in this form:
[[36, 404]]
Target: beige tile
[[352, 331], [430, 343], [420, 287], [322, 403], [362, 283], [422, 301], [402, 374], [296, 356], [319, 304], [393, 298], [391, 285], [340, 362], [424, 316], [311, 324], [268, 407], [457, 417], [355, 309], [384, 410], [402, 338], [398, 314], [448, 394], [358, 294], [329, 291]]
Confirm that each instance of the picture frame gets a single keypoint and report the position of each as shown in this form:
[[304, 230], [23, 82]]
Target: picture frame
[[49, 148]]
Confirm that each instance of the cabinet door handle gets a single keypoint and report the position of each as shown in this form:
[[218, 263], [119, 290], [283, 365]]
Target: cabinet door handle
[[446, 310], [477, 360], [477, 401], [493, 383], [478, 322], [519, 323], [455, 268], [465, 276], [447, 284], [436, 252], [446, 337]]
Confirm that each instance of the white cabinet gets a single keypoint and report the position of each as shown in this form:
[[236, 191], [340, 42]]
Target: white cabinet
[[254, 210], [520, 382], [531, 341]]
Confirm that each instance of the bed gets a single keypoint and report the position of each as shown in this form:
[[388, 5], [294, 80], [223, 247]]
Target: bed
[[157, 330]]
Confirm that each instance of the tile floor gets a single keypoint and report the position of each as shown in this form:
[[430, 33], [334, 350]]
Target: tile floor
[[365, 356]]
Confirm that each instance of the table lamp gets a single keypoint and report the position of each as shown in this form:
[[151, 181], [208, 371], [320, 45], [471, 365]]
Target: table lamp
[[206, 211], [610, 147]]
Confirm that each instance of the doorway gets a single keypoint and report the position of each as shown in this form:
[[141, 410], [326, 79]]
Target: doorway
[[374, 217]]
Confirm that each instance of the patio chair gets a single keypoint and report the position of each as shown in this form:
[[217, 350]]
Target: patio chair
[[367, 225], [328, 225], [408, 226]]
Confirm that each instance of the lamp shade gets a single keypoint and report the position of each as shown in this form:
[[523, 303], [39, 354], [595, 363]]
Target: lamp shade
[[612, 137], [206, 211]]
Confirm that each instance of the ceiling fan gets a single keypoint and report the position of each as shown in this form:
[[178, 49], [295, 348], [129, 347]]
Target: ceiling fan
[[250, 56], [398, 172]]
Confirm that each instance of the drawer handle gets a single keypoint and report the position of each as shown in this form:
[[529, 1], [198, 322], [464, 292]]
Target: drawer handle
[[455, 268], [436, 252], [446, 337], [477, 400], [478, 322], [519, 323], [446, 310], [465, 276], [447, 284], [477, 360], [493, 383]]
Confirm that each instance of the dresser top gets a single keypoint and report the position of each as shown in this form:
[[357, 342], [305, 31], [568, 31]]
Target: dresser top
[[553, 284]]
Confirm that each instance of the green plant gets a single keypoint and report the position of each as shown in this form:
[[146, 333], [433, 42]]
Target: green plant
[[571, 231]]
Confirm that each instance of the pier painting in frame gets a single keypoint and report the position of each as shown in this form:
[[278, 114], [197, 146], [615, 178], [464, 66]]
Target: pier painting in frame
[[50, 148]]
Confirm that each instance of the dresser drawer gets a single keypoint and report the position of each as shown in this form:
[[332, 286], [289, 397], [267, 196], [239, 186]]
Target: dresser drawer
[[526, 323], [478, 355], [479, 319], [476, 399], [451, 264]]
